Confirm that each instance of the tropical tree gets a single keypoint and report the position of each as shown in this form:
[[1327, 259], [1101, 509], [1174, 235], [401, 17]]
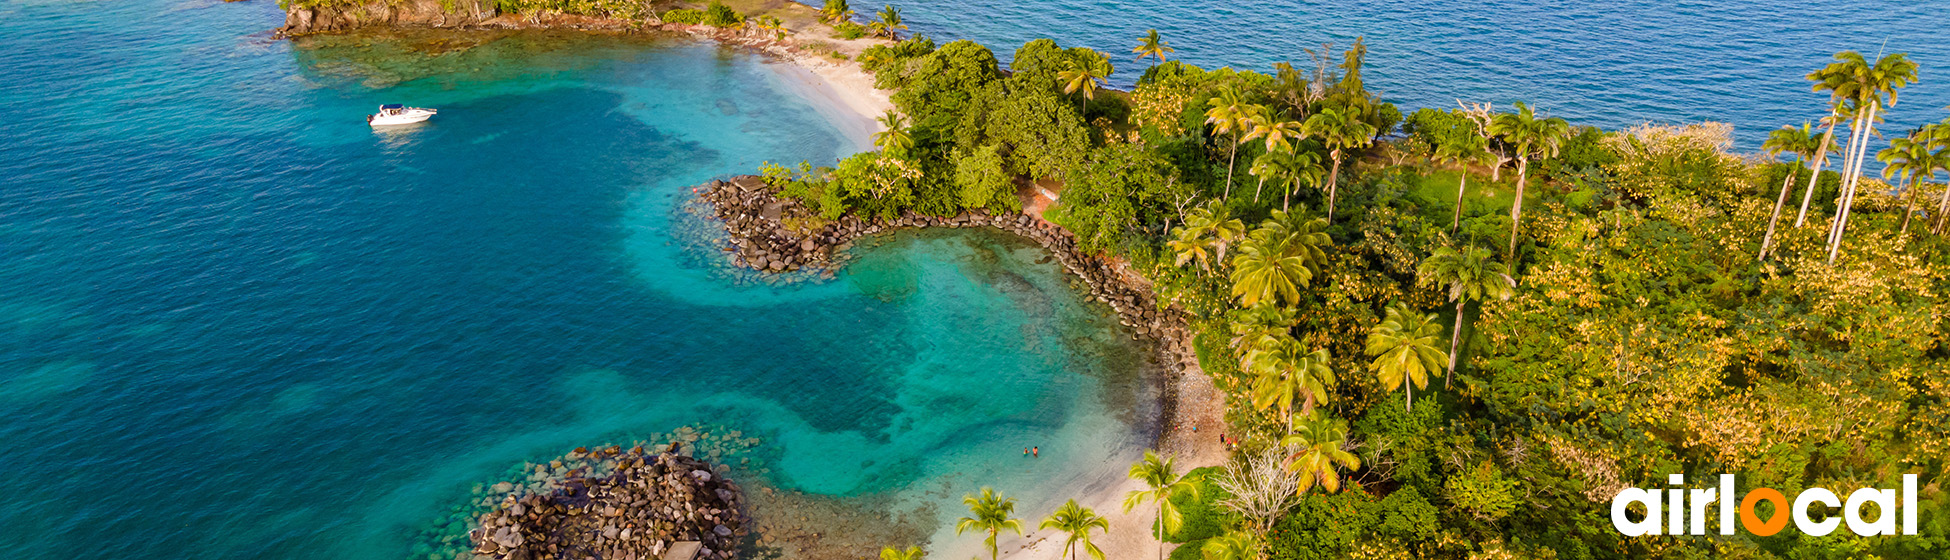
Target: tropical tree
[[1820, 161], [1939, 135], [1235, 545], [1341, 129], [1283, 370], [891, 553], [889, 25], [1317, 452], [1252, 325], [1533, 138], [835, 11], [1278, 259], [1288, 167], [1852, 78], [989, 513], [1803, 145], [1207, 232], [1279, 133], [1404, 350], [1153, 47], [1227, 115], [770, 23], [893, 137], [1161, 483], [1469, 275], [1077, 521], [1085, 75], [1461, 150], [1909, 158]]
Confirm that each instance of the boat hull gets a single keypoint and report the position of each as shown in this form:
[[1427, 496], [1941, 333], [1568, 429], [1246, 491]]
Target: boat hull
[[408, 117]]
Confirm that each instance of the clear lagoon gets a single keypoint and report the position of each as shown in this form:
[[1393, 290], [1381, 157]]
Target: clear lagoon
[[235, 322]]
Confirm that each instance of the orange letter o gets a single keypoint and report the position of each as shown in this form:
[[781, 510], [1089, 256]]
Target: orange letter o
[[1751, 520]]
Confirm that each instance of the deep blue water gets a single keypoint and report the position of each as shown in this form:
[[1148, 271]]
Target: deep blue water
[[1607, 64], [235, 322]]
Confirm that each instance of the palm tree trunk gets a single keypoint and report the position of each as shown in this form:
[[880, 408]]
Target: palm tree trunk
[[1463, 184], [1230, 161], [1855, 178], [1786, 185], [1333, 186], [1286, 200], [1455, 336], [1848, 163], [1516, 208], [1814, 170], [1161, 527], [1942, 205], [1909, 208], [1257, 189], [1409, 384]]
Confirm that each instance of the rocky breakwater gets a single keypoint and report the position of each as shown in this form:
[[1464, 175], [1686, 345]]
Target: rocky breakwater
[[641, 506], [775, 234]]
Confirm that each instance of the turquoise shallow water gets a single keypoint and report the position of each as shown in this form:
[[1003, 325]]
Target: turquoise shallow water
[[1609, 64], [237, 323]]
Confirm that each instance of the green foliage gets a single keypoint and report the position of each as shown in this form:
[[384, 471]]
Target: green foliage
[[684, 17], [876, 184], [984, 181], [1441, 127], [1483, 492], [1406, 515], [937, 90], [849, 30], [1203, 517], [1122, 190], [890, 64], [1585, 150], [716, 14], [1324, 526], [1044, 134]]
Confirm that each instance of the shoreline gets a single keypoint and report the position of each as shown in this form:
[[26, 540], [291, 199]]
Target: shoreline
[[1191, 408]]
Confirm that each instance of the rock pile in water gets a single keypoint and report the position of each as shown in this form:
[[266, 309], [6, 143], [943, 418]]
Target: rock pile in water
[[764, 237], [641, 507]]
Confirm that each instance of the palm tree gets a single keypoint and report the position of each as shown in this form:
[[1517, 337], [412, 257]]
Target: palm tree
[[1288, 167], [989, 513], [835, 11], [772, 24], [1277, 260], [1252, 325], [1820, 161], [1279, 133], [1162, 483], [891, 553], [1469, 275], [1283, 370], [1404, 347], [1939, 135], [890, 24], [1462, 151], [1153, 47], [1207, 232], [893, 138], [1852, 77], [1318, 452], [1532, 137], [1086, 76], [1800, 142], [1236, 545], [1341, 129], [1908, 157], [1077, 521], [1228, 115]]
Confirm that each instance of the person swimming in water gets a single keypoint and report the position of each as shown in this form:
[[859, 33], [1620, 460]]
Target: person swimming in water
[[1036, 452]]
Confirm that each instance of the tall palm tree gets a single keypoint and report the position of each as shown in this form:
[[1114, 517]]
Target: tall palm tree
[[1939, 135], [1532, 137], [1469, 275], [1286, 166], [1799, 142], [1077, 521], [889, 25], [893, 137], [835, 11], [989, 513], [1852, 77], [1318, 452], [1341, 129], [1278, 133], [1206, 234], [1277, 260], [1252, 325], [1236, 545], [1227, 115], [1283, 370], [1908, 158], [891, 553], [1086, 76], [1153, 47], [1820, 161], [1404, 347], [1462, 150], [1161, 483]]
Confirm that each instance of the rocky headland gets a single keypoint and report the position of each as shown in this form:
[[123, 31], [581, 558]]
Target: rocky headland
[[614, 503]]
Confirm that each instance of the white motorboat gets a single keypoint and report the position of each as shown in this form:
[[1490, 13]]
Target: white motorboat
[[394, 113]]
